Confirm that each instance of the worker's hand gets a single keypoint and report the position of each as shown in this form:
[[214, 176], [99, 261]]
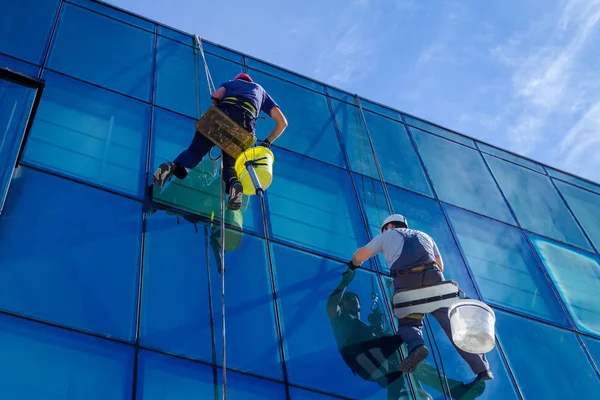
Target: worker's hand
[[348, 276], [265, 143], [351, 265]]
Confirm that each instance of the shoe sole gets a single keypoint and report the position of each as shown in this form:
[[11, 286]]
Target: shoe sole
[[409, 364], [161, 176], [235, 202]]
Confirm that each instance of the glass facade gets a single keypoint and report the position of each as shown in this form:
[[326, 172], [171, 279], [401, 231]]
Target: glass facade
[[111, 291]]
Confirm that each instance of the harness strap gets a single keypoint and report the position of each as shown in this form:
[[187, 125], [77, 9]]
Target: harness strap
[[426, 300], [418, 268], [246, 105]]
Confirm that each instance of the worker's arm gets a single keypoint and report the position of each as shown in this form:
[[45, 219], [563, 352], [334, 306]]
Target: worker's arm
[[280, 124], [217, 95], [438, 257], [364, 253], [361, 255], [333, 302]]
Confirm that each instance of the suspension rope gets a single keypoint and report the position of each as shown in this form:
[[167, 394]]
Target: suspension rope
[[211, 85], [223, 333], [211, 89]]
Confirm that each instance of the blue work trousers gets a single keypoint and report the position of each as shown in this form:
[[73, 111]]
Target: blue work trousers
[[410, 329]]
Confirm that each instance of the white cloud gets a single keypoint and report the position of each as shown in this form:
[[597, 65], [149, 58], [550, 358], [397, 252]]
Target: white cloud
[[349, 49], [580, 149], [346, 55], [553, 84]]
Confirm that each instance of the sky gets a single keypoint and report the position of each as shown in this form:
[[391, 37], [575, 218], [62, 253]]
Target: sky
[[521, 75]]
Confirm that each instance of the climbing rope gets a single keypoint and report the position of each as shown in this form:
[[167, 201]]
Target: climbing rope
[[211, 85], [211, 89]]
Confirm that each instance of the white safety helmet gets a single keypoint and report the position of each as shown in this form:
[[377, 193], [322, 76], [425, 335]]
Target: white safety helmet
[[394, 218]]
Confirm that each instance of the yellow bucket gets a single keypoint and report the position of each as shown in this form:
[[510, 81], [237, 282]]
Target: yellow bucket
[[264, 171]]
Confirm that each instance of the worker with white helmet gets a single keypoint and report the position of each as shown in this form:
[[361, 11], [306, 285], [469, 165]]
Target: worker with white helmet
[[415, 261]]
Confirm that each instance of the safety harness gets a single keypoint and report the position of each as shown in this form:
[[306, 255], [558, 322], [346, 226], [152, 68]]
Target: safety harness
[[242, 103], [426, 299]]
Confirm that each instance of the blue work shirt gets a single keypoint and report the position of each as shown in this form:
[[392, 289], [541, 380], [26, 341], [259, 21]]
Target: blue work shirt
[[252, 92]]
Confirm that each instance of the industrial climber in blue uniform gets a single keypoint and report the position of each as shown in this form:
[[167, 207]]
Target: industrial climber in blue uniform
[[415, 262], [242, 100]]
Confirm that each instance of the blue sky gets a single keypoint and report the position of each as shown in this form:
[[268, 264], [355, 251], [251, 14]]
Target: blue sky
[[522, 75]]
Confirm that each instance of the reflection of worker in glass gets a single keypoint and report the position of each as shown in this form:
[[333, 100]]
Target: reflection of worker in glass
[[415, 262], [201, 197], [372, 352]]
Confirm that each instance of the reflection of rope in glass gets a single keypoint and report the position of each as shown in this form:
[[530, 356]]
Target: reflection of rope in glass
[[376, 318]]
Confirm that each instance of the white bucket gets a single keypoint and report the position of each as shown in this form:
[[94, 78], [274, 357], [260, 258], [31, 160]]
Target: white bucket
[[472, 323]]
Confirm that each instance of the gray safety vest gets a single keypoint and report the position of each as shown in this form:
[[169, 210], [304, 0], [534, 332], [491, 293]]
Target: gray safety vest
[[417, 250]]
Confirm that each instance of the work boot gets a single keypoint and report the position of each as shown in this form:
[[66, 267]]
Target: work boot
[[163, 173], [485, 376], [413, 359], [236, 191]]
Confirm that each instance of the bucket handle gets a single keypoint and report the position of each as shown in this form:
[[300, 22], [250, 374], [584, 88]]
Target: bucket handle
[[254, 162]]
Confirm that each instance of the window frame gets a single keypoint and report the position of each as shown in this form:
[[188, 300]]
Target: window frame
[[33, 83]]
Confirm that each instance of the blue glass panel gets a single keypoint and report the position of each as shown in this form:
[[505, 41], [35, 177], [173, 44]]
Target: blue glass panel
[[15, 107], [354, 133], [426, 215], [574, 180], [323, 196], [417, 123], [311, 130], [340, 95], [460, 176], [536, 202], [586, 207], [167, 378], [106, 9], [177, 36], [41, 362], [71, 258], [300, 394], [304, 285], [18, 66], [181, 83], [396, 154], [576, 275], [370, 193], [103, 51], [593, 346], [199, 193], [533, 351], [459, 375], [388, 112], [90, 134], [222, 52], [510, 157], [505, 267], [25, 28], [285, 75], [176, 306]]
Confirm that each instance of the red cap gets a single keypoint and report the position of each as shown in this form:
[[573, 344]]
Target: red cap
[[245, 77]]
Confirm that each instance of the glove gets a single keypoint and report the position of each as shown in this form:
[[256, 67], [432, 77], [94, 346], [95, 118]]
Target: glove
[[265, 143], [351, 265]]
